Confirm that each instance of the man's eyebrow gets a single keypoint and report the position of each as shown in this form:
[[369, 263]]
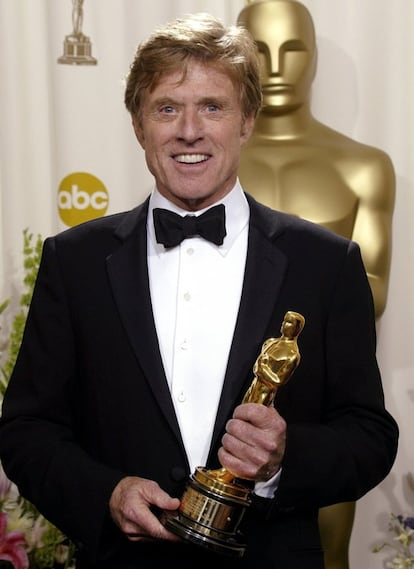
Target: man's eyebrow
[[216, 99], [165, 100], [205, 100]]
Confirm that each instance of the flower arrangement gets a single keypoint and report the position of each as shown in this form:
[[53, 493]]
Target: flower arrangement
[[27, 539], [402, 543]]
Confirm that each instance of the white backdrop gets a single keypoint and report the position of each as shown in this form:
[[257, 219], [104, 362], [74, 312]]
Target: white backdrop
[[57, 120]]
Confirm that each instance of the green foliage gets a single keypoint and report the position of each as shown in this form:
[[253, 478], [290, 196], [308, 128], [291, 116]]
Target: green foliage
[[31, 258], [4, 305], [55, 553]]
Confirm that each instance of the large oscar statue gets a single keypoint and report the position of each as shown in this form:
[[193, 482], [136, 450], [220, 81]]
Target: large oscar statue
[[296, 164], [214, 501]]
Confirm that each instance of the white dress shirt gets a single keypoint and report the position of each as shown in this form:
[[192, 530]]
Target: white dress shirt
[[195, 293]]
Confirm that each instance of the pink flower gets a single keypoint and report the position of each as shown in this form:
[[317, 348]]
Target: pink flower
[[12, 545]]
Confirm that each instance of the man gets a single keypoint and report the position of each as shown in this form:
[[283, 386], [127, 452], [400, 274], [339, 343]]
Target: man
[[137, 353]]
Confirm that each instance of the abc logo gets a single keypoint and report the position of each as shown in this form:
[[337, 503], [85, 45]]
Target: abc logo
[[81, 197]]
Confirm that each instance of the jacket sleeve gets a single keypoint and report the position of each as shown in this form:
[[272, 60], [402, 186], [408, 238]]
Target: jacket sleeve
[[38, 444], [352, 446]]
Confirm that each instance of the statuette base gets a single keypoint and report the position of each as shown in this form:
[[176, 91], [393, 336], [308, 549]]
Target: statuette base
[[210, 514], [77, 50]]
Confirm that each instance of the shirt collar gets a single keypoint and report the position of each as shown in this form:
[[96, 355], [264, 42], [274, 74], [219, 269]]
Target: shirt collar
[[237, 216]]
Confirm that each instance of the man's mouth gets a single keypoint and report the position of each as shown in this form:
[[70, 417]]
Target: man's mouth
[[191, 158]]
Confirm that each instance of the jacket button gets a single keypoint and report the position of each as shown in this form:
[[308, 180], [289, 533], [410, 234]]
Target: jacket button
[[178, 474]]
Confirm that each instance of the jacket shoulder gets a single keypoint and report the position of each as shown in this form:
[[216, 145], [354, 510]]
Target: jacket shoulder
[[118, 226]]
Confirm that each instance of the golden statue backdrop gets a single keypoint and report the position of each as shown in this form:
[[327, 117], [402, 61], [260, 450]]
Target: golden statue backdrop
[[296, 164]]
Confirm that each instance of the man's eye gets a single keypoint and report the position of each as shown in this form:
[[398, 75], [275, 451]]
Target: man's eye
[[212, 107], [168, 109]]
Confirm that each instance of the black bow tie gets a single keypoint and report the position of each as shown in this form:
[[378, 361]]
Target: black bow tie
[[171, 228]]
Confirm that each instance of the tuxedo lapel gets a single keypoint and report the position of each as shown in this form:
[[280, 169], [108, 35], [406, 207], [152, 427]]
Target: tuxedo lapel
[[264, 273], [128, 276]]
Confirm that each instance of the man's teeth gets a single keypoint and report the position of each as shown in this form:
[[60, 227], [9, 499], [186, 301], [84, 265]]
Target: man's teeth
[[191, 158]]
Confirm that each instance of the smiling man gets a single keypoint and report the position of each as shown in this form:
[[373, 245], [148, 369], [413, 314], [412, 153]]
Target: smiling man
[[191, 127], [124, 385]]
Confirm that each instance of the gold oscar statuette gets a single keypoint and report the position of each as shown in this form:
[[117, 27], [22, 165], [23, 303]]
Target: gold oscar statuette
[[214, 501], [77, 48]]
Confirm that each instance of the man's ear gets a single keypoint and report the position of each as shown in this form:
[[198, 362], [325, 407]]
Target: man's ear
[[247, 127], [138, 130]]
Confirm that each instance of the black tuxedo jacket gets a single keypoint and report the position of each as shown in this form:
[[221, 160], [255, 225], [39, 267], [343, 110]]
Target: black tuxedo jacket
[[88, 402]]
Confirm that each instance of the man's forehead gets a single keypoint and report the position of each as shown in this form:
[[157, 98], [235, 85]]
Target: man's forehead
[[192, 70]]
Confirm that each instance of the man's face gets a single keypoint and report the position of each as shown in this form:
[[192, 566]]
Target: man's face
[[192, 131], [284, 36]]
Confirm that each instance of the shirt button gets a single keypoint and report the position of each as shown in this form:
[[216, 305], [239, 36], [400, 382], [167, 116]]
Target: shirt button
[[187, 296], [190, 251], [184, 345], [181, 397]]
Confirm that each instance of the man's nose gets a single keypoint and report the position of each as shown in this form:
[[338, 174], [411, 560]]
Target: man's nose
[[190, 125]]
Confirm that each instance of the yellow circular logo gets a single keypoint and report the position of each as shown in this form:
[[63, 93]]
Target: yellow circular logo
[[81, 197]]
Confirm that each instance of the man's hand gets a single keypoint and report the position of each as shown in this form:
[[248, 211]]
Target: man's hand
[[254, 442], [131, 505]]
